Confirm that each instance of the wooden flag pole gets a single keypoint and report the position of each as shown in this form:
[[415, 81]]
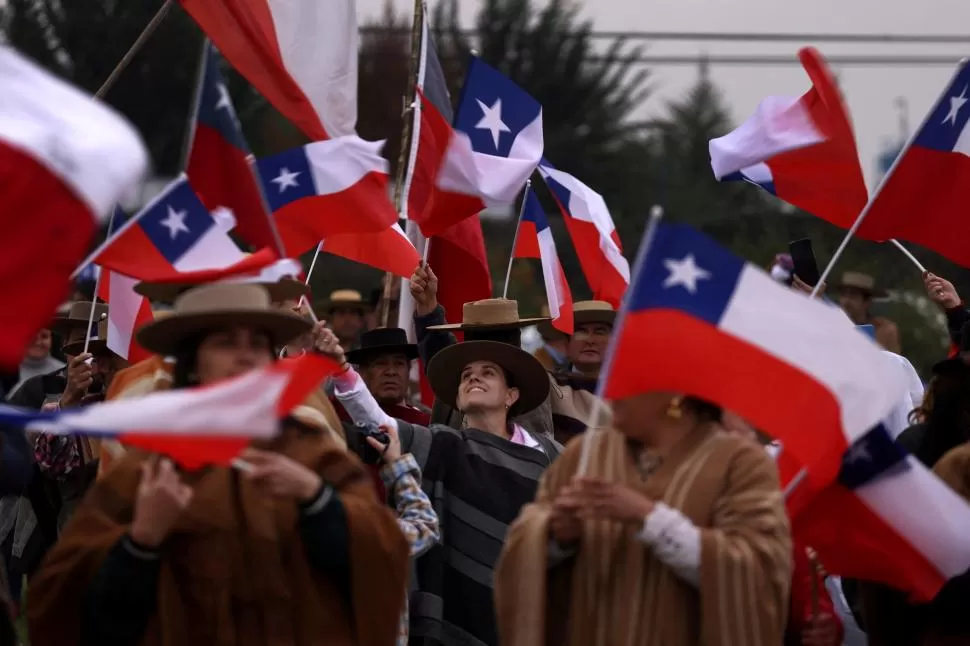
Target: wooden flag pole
[[135, 48], [384, 311]]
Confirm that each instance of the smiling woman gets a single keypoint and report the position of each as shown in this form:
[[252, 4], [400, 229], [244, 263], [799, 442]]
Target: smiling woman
[[479, 477]]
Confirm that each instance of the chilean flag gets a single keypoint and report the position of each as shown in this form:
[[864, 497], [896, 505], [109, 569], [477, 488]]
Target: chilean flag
[[218, 164], [327, 188], [534, 240], [486, 159], [389, 250], [65, 160], [888, 519], [127, 312], [172, 235], [299, 54], [922, 199], [194, 426], [802, 150], [593, 233], [712, 326]]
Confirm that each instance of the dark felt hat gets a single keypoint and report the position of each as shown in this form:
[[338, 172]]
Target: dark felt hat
[[382, 341]]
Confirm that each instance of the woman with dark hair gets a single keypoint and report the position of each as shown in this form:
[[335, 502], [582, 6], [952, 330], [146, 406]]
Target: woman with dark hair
[[294, 550], [675, 533]]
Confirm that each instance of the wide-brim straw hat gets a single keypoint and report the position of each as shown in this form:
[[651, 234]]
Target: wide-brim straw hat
[[494, 313], [220, 305], [527, 374], [585, 312], [861, 282], [286, 289]]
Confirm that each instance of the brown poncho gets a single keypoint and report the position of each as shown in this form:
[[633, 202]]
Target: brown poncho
[[615, 593], [235, 571]]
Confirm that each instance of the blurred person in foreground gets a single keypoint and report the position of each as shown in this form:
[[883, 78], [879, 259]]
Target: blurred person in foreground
[[294, 550], [676, 534]]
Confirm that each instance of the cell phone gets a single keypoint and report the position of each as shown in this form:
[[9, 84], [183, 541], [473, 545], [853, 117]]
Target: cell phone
[[803, 259]]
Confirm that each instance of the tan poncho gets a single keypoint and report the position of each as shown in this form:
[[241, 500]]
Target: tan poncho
[[615, 593]]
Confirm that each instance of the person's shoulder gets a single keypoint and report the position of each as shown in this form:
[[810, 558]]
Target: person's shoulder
[[743, 457]]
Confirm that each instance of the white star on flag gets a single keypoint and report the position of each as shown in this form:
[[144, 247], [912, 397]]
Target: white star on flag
[[685, 273], [286, 179], [224, 102], [856, 453], [956, 103], [492, 120], [175, 222]]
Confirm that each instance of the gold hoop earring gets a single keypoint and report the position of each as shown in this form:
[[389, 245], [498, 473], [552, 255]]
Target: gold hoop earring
[[675, 409]]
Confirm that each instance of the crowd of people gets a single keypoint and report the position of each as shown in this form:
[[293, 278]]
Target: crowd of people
[[374, 518]]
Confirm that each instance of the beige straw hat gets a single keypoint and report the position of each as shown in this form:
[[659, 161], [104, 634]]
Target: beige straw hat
[[490, 313], [585, 312], [220, 305]]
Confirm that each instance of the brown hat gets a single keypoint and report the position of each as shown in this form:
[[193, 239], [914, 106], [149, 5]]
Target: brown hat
[[862, 282], [285, 289], [527, 374], [97, 343], [77, 315], [221, 304], [490, 313], [348, 298], [593, 312], [546, 329]]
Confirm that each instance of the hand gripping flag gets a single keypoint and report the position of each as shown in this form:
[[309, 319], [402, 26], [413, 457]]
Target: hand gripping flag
[[194, 426], [888, 519], [534, 240], [922, 198], [172, 235], [218, 164], [299, 54], [486, 159], [327, 188], [65, 160], [802, 150], [700, 321], [593, 233]]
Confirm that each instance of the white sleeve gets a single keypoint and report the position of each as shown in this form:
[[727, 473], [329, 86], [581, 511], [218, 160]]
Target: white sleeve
[[675, 540], [353, 394]]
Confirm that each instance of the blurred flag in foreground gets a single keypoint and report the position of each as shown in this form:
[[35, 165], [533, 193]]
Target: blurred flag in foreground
[[802, 150], [65, 160], [195, 426]]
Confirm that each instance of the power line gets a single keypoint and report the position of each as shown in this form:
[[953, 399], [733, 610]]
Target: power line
[[938, 39]]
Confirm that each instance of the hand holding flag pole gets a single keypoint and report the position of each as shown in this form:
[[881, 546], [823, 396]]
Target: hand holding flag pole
[[592, 422], [515, 238]]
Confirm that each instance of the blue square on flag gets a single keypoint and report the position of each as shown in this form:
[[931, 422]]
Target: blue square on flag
[[286, 178], [497, 114], [176, 221], [686, 271]]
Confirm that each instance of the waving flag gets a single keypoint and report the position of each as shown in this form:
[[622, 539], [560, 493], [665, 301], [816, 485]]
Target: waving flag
[[65, 160], [299, 54], [802, 150], [593, 233], [887, 518], [390, 250], [127, 312], [327, 188], [710, 325], [534, 240], [173, 234], [486, 159], [194, 426], [219, 159], [922, 198]]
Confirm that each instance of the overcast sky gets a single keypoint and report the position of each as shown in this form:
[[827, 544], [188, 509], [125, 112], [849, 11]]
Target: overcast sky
[[871, 91]]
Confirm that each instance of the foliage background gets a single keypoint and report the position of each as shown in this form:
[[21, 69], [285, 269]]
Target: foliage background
[[591, 100]]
